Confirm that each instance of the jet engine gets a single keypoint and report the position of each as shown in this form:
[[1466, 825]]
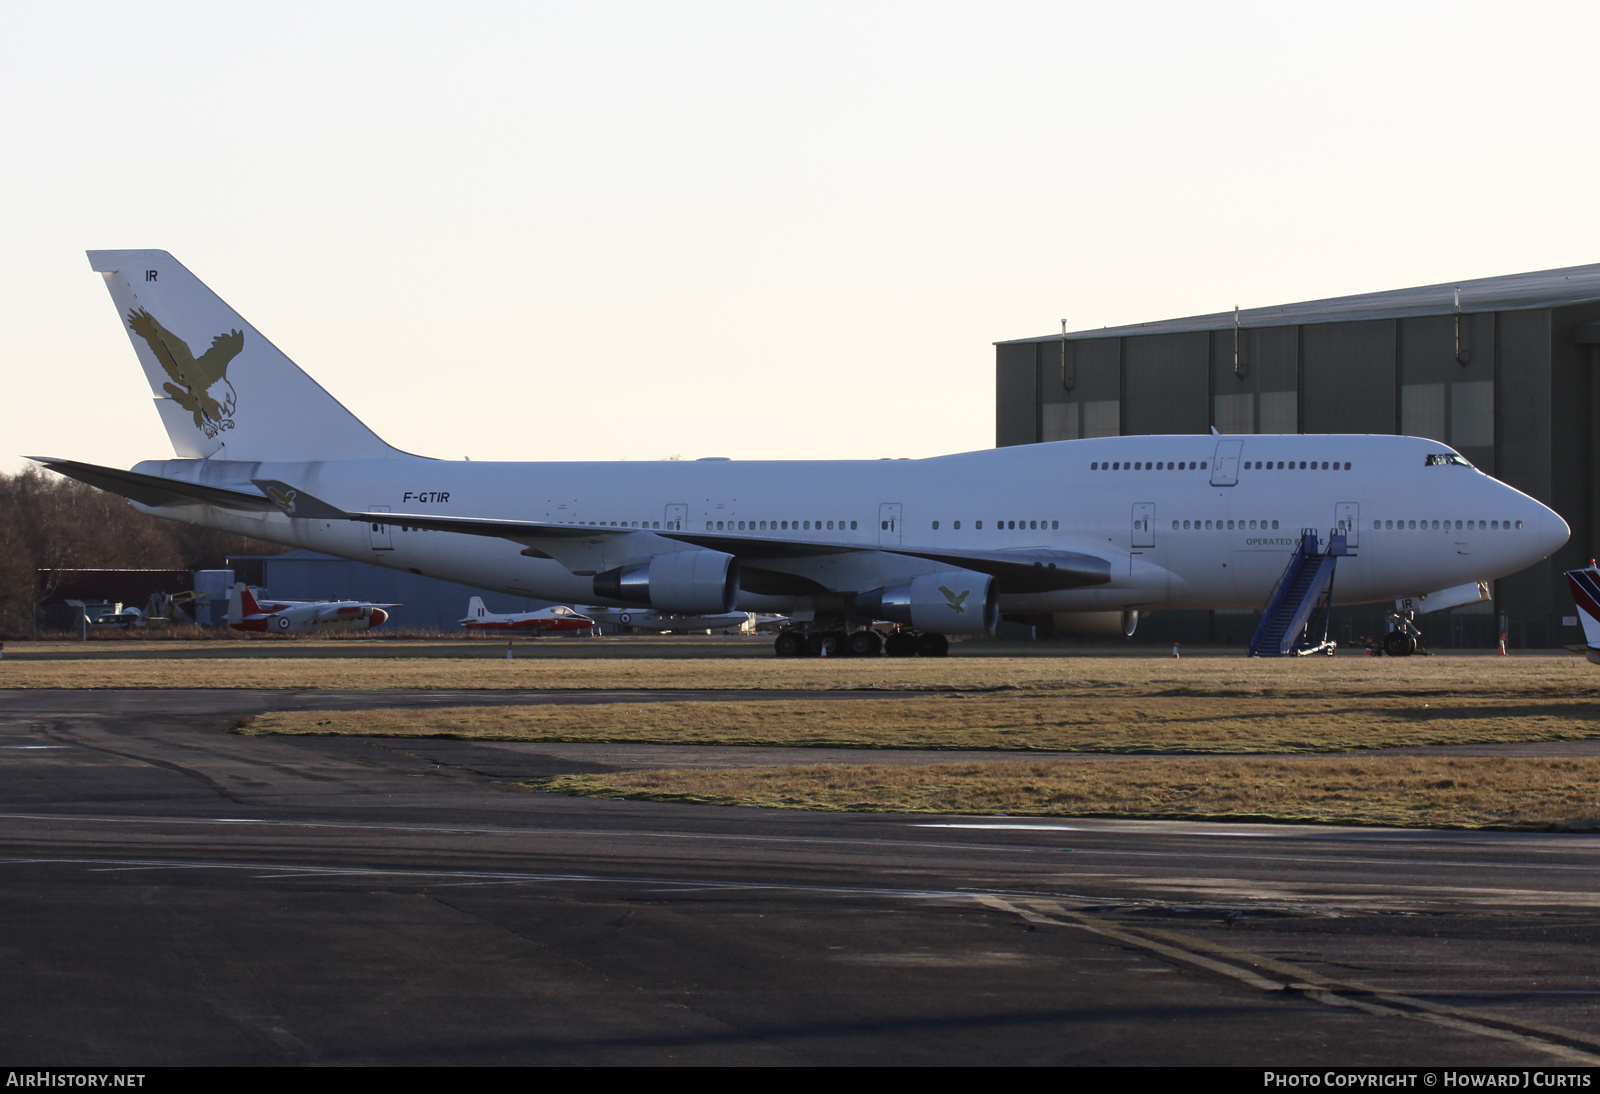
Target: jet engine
[[678, 581], [950, 602]]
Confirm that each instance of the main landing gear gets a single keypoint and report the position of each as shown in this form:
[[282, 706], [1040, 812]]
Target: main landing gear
[[861, 643]]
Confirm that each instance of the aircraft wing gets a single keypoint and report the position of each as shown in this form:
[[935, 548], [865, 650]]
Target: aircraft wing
[[1026, 569], [1035, 569], [298, 503], [153, 490]]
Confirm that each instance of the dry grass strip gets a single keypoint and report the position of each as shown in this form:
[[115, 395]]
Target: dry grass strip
[[1382, 790], [990, 721], [1557, 674]]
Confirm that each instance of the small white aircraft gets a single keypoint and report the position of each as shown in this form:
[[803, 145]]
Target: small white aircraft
[[245, 613], [1084, 535], [648, 619], [1586, 595], [554, 620]]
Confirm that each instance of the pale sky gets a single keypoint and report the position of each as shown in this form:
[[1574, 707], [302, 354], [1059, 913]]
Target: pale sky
[[627, 231]]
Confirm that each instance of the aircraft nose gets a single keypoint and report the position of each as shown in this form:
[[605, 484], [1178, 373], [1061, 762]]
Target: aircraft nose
[[1552, 531]]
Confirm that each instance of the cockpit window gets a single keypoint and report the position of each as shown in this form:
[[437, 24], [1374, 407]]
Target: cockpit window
[[1439, 459]]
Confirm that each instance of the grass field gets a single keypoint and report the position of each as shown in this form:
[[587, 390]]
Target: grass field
[[1046, 722], [1082, 676], [1230, 728], [1405, 791]]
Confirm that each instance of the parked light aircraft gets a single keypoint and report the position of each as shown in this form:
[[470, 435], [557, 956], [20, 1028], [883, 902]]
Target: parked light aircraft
[[1086, 534], [1585, 585], [648, 619], [556, 620], [245, 613]]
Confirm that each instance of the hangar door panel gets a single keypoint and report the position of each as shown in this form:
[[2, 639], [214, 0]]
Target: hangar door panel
[[1166, 383], [1349, 377]]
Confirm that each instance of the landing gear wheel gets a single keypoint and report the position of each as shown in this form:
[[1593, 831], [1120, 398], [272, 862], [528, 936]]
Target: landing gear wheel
[[829, 644], [791, 644], [900, 644], [865, 644], [933, 645], [1399, 644]]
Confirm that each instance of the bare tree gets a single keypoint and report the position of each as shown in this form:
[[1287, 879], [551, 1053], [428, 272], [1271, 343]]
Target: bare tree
[[49, 525]]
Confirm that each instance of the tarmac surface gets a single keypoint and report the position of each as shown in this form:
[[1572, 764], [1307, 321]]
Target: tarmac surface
[[175, 893]]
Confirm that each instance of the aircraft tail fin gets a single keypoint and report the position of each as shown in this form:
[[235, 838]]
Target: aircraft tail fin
[[1586, 594], [475, 608], [241, 602], [223, 390]]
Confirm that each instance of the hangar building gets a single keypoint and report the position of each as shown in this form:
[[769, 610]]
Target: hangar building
[[1503, 369]]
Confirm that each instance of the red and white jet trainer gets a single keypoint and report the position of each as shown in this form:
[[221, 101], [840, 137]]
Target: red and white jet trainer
[[544, 621], [245, 613]]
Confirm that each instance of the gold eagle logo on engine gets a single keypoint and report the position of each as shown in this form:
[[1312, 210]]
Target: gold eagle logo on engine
[[285, 498], [957, 601], [194, 378]]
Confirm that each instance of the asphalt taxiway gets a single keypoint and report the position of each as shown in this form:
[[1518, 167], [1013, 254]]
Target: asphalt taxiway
[[175, 893]]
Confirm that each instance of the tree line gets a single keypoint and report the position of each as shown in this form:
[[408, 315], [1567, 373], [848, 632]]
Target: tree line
[[50, 524]]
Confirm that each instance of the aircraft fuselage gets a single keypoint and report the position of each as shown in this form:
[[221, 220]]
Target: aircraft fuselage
[[1184, 521]]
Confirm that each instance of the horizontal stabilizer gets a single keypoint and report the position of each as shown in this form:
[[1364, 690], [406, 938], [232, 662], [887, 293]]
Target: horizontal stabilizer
[[153, 490]]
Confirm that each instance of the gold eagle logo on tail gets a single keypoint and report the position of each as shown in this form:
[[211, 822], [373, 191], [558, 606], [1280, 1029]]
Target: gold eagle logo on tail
[[193, 378], [957, 601]]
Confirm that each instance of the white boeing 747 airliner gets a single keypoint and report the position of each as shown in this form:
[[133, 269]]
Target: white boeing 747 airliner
[[1084, 533]]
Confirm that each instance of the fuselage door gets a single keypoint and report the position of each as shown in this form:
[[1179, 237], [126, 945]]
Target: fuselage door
[[1144, 524], [889, 524], [1346, 519], [1225, 467], [677, 517], [379, 532]]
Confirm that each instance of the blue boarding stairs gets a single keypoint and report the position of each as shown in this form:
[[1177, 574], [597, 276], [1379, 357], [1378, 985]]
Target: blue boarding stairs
[[1295, 621]]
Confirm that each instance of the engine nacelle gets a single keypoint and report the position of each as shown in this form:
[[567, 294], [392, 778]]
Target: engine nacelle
[[1113, 623], [950, 602], [678, 581]]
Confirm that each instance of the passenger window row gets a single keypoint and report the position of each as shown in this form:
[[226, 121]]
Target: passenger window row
[[776, 526], [1258, 465], [614, 523], [1221, 525], [1471, 525], [1009, 525]]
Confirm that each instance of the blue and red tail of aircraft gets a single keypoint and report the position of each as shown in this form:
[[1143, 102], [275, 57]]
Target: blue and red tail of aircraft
[[1586, 594]]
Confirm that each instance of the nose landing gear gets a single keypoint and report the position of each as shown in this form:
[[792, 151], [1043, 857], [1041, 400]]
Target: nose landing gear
[[1403, 638]]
